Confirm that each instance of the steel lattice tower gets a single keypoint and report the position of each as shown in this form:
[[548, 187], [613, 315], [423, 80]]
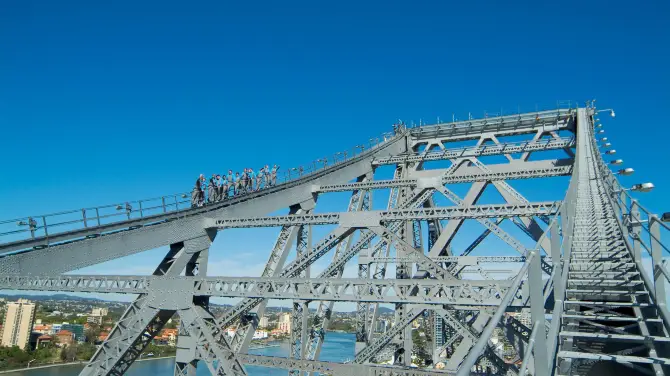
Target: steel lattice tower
[[577, 301]]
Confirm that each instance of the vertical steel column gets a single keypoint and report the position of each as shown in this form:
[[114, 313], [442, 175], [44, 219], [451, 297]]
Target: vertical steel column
[[537, 312], [403, 354], [300, 311], [657, 261]]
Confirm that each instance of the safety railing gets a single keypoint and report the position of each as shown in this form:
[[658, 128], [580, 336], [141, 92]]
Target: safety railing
[[47, 225], [644, 232], [560, 111]]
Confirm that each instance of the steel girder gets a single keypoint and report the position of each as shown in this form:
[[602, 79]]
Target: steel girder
[[248, 324], [375, 218], [360, 200], [452, 179], [503, 125], [145, 317], [426, 279], [424, 291], [476, 151]]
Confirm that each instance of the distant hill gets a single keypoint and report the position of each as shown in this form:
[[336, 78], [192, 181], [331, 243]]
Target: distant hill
[[83, 299]]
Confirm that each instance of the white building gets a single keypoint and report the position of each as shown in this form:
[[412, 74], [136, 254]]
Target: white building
[[99, 312], [18, 323], [284, 322], [260, 334]]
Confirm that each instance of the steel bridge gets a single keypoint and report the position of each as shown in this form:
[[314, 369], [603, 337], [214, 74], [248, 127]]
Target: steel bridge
[[575, 298]]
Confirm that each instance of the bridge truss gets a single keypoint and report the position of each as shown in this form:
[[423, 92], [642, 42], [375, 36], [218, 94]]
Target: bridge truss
[[574, 297]]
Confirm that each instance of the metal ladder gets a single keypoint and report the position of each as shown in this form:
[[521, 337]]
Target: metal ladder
[[610, 325]]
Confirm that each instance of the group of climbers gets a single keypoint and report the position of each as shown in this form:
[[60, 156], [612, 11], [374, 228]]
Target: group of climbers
[[221, 187]]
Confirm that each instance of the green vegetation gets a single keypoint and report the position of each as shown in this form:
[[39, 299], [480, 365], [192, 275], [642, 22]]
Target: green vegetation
[[13, 357], [159, 351], [79, 351], [423, 357], [343, 326]]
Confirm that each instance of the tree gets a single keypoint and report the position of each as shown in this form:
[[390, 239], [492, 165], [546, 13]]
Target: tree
[[92, 333], [69, 353]]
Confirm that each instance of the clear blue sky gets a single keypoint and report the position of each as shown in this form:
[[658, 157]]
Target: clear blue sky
[[101, 103]]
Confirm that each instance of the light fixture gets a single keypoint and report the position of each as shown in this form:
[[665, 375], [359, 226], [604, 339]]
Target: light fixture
[[599, 125], [665, 217], [601, 131], [612, 113], [607, 144], [616, 162], [626, 171], [642, 187], [611, 152], [183, 195], [604, 139]]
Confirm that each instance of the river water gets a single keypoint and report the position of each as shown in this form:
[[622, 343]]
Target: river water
[[337, 347]]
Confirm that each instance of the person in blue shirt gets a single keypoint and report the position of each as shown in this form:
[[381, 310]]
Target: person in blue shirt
[[230, 183]]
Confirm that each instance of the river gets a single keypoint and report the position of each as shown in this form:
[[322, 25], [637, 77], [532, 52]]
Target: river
[[337, 347]]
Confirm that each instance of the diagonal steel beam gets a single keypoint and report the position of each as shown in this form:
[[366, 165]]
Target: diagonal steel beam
[[143, 319], [358, 201], [476, 151]]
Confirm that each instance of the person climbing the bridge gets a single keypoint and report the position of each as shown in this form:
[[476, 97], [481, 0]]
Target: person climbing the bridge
[[259, 179], [230, 183], [197, 193], [252, 179], [211, 189], [238, 184], [273, 174], [219, 187], [266, 175], [245, 180]]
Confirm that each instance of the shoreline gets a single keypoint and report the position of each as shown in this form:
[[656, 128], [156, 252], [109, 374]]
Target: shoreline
[[80, 362]]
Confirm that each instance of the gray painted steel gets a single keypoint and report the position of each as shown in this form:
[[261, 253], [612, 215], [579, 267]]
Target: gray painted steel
[[578, 260]]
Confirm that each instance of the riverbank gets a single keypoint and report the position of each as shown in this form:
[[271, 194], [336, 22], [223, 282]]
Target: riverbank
[[77, 363]]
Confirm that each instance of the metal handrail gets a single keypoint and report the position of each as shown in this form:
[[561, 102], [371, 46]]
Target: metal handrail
[[542, 115], [90, 217], [634, 219]]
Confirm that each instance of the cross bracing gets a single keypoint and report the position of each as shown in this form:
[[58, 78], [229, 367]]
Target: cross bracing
[[455, 265]]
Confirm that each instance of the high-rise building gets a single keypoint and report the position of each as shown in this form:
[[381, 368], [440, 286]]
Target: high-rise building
[[99, 312], [285, 322], [264, 322], [18, 323]]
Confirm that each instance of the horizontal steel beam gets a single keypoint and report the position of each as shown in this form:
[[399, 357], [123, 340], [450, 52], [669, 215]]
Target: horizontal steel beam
[[417, 291], [482, 150], [376, 218], [450, 179], [333, 368], [512, 124], [463, 260]]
